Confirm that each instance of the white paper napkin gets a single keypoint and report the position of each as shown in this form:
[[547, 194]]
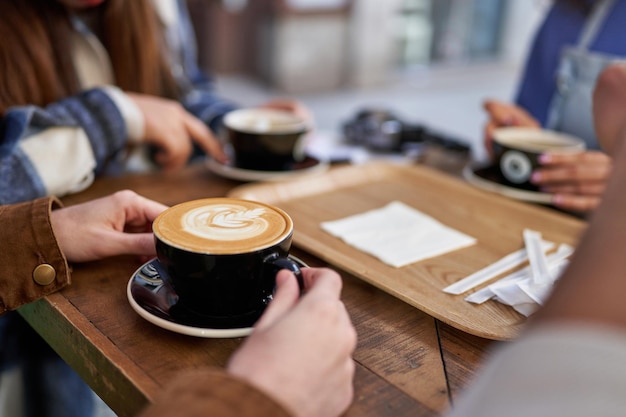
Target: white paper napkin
[[398, 234]]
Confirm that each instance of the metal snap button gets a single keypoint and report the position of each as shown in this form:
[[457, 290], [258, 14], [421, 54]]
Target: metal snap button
[[44, 274]]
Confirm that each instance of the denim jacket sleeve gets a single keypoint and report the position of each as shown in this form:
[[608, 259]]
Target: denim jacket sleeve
[[58, 149]]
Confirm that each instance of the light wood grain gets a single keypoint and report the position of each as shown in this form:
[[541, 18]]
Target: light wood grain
[[496, 222]]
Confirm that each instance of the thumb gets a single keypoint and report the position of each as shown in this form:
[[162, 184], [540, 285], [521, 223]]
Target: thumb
[[285, 297]]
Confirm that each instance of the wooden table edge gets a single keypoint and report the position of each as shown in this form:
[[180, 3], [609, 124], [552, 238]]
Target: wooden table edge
[[91, 354]]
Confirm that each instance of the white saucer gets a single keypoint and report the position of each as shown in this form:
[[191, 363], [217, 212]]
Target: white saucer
[[148, 277], [309, 166], [486, 178]]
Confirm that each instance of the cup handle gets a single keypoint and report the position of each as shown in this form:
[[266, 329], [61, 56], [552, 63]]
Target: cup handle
[[279, 263]]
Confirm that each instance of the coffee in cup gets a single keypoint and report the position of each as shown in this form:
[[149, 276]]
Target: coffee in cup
[[516, 152], [221, 257], [265, 139]]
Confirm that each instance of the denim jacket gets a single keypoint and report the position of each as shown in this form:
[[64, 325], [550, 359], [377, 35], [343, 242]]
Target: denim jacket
[[60, 148]]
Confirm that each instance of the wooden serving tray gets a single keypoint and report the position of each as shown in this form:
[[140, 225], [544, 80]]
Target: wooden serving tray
[[495, 221]]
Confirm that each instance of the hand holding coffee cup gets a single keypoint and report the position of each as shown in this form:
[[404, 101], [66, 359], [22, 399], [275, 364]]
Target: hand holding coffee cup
[[265, 139], [517, 152], [221, 256]]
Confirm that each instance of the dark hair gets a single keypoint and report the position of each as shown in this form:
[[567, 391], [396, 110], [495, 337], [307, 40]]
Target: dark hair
[[36, 64]]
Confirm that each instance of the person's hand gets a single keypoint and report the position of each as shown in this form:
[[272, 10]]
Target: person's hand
[[172, 129], [291, 106], [609, 107], [502, 114], [300, 352], [576, 180], [114, 225]]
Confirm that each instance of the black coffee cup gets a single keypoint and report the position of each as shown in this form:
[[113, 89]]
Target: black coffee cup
[[221, 257], [516, 152], [263, 139]]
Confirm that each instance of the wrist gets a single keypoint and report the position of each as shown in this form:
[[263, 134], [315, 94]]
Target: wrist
[[131, 113]]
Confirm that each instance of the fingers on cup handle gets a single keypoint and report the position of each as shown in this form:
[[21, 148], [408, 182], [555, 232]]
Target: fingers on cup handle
[[293, 267], [323, 280]]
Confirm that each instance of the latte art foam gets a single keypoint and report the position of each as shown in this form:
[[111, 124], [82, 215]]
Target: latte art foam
[[260, 120], [222, 226], [226, 222]]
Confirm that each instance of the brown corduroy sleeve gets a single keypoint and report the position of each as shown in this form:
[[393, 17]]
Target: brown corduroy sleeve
[[27, 242], [213, 392]]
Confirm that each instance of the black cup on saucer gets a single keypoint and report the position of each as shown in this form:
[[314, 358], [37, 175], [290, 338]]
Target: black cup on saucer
[[221, 257], [517, 150], [265, 139]]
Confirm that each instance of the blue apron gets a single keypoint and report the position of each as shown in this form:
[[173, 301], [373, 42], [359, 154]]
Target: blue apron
[[571, 107]]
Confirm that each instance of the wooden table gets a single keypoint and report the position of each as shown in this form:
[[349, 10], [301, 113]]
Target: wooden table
[[408, 364]]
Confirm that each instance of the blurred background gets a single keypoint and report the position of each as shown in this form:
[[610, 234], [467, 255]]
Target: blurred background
[[430, 62]]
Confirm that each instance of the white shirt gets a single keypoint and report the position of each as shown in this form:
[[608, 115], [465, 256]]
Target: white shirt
[[553, 371]]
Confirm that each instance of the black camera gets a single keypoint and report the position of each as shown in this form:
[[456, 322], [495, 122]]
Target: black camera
[[382, 131]]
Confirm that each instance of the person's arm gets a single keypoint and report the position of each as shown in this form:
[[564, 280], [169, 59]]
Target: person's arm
[[39, 238], [32, 263], [591, 290], [58, 149], [297, 361], [213, 392]]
